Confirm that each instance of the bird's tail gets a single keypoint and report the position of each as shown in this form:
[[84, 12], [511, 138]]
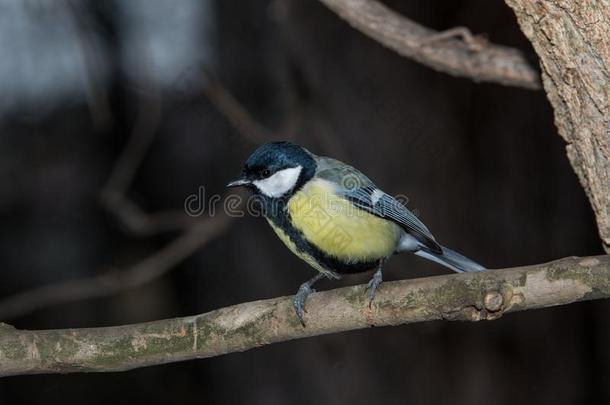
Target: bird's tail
[[450, 259]]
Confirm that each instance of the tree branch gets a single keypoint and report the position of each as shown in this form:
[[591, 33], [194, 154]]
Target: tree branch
[[115, 280], [234, 112], [571, 39], [196, 232], [470, 296], [484, 62]]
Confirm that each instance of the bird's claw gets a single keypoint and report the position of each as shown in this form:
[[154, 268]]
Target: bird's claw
[[298, 301], [372, 286]]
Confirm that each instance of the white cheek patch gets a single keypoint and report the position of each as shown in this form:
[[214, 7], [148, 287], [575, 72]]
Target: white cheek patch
[[280, 183]]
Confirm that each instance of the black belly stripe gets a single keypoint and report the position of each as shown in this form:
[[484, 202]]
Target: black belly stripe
[[275, 210]]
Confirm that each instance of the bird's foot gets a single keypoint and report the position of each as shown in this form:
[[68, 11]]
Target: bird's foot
[[298, 301], [372, 286]]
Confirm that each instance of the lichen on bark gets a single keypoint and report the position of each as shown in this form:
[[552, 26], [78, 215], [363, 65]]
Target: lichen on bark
[[471, 297]]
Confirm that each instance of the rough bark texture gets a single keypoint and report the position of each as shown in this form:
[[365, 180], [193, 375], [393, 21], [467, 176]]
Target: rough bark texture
[[471, 297], [486, 62], [572, 38]]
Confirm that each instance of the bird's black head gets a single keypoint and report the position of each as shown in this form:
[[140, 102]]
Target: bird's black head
[[277, 169]]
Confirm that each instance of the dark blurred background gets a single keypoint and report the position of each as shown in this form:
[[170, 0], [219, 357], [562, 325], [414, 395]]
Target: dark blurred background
[[481, 164]]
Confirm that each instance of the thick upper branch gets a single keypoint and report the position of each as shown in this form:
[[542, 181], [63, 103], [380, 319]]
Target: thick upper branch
[[472, 297], [487, 63], [571, 39]]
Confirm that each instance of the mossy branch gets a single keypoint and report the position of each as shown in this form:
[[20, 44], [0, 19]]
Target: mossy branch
[[470, 297]]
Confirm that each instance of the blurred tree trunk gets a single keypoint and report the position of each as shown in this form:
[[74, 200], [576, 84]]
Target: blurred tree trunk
[[571, 38]]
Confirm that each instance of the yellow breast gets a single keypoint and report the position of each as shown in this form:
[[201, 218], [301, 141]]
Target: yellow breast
[[303, 255], [336, 227]]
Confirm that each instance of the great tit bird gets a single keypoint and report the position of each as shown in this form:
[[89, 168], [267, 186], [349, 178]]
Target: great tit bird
[[334, 218]]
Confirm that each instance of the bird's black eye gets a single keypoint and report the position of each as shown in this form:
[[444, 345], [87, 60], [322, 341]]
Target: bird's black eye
[[266, 173]]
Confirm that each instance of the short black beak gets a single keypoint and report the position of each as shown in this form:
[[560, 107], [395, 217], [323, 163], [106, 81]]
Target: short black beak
[[239, 182]]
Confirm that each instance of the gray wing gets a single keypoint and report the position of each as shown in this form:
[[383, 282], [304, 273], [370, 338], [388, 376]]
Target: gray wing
[[362, 192]]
